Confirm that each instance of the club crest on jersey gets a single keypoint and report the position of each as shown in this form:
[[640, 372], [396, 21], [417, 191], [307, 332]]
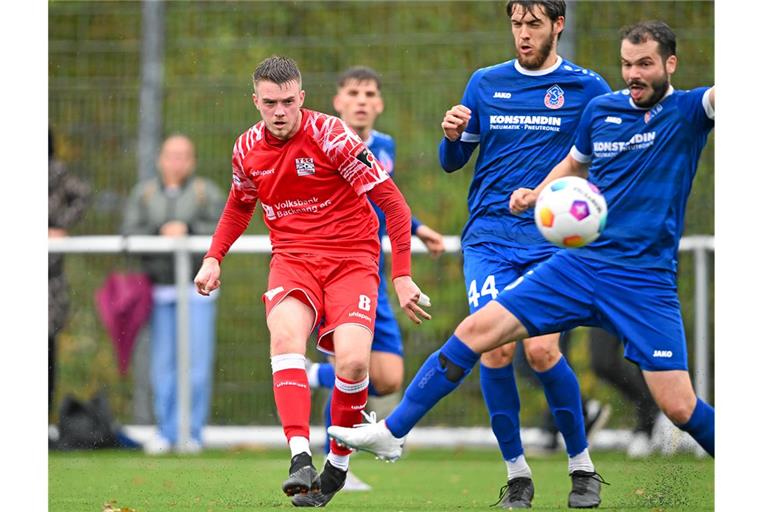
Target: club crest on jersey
[[305, 166], [652, 113], [555, 97], [366, 157]]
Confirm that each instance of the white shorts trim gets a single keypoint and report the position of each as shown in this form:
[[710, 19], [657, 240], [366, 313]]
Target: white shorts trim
[[287, 294]]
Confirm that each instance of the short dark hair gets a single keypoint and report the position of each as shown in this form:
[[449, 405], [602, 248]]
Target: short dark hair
[[279, 70], [654, 30], [553, 8], [359, 74]]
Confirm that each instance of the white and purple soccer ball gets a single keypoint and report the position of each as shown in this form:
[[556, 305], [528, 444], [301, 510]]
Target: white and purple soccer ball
[[571, 212]]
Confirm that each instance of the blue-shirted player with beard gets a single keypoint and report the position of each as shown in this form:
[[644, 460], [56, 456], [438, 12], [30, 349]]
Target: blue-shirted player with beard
[[359, 102], [641, 147], [523, 115]]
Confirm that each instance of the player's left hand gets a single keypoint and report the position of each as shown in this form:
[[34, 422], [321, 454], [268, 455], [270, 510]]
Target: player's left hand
[[410, 298], [522, 199], [431, 239]]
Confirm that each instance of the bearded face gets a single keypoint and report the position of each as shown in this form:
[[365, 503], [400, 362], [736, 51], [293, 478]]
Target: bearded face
[[646, 72], [534, 35]]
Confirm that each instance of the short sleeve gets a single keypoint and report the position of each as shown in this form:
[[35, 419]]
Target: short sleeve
[[696, 107], [243, 187], [582, 146], [596, 85], [355, 162], [472, 132]]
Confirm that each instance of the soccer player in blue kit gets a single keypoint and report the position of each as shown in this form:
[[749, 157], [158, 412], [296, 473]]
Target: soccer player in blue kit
[[523, 114], [358, 102], [641, 147]]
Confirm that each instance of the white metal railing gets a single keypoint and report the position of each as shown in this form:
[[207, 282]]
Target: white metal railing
[[182, 247]]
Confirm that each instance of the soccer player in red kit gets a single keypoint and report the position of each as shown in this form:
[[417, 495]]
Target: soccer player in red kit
[[311, 173]]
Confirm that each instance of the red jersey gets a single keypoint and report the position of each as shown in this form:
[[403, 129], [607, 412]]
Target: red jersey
[[311, 187]]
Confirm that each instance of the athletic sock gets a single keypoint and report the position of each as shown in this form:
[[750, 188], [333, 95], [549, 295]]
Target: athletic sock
[[339, 461], [327, 421], [564, 398], [347, 403], [326, 375], [517, 467], [701, 426], [580, 462], [503, 402], [298, 445], [440, 374], [323, 375], [292, 394]]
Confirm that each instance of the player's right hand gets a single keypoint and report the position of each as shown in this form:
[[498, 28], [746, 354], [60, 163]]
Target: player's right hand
[[522, 199], [207, 278], [455, 121], [409, 295]]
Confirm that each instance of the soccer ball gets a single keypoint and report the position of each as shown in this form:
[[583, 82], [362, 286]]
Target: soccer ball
[[571, 212]]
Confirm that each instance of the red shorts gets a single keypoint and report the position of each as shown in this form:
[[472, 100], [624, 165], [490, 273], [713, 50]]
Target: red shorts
[[339, 290]]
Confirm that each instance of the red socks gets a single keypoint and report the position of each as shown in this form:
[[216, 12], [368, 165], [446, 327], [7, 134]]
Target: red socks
[[347, 404], [292, 397], [292, 394]]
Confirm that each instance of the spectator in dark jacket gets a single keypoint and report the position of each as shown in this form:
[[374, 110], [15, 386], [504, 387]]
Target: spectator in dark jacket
[[68, 198]]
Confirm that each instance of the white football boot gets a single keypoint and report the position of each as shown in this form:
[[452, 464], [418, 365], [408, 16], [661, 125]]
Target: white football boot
[[354, 484], [369, 437]]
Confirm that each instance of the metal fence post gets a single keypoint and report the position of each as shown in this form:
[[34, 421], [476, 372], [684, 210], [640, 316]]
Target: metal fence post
[[701, 327], [183, 395], [151, 94]]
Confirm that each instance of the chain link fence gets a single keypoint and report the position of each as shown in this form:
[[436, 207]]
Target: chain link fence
[[425, 52]]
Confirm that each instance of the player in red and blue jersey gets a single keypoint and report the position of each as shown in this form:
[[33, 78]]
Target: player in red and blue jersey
[[313, 177], [523, 115], [359, 102], [641, 146]]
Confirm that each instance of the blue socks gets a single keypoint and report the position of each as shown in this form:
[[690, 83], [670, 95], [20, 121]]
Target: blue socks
[[327, 420], [564, 398], [701, 426], [326, 375], [503, 403], [440, 374]]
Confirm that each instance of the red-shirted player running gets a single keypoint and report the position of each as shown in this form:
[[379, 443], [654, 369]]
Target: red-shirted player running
[[311, 174]]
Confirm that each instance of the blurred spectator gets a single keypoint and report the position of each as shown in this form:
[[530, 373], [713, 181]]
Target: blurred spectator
[[608, 363], [68, 198], [174, 204]]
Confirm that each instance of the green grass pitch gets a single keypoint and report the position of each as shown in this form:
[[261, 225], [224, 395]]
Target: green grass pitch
[[424, 480]]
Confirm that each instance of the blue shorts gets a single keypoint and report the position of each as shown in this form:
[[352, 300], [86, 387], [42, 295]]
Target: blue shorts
[[490, 268], [639, 305], [386, 331]]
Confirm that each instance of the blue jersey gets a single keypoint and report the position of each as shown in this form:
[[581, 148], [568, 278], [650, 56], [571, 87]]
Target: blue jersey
[[644, 162], [525, 123]]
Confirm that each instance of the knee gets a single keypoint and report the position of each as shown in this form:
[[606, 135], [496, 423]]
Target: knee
[[473, 331], [282, 342], [386, 385], [352, 368], [678, 410], [541, 355], [499, 357]]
